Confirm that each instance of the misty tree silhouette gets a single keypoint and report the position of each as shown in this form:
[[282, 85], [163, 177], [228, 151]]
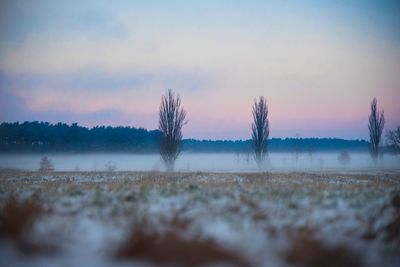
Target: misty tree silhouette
[[375, 126], [45, 165], [260, 129], [393, 138], [344, 158], [171, 120]]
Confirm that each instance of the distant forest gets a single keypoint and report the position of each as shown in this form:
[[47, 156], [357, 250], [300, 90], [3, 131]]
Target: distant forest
[[45, 137]]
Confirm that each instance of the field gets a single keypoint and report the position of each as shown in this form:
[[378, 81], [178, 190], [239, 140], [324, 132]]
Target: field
[[200, 219]]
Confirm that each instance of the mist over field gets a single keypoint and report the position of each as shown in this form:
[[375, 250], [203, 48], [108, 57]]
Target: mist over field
[[213, 162]]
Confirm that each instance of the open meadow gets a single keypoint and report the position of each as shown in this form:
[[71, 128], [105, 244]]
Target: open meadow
[[200, 219], [199, 133]]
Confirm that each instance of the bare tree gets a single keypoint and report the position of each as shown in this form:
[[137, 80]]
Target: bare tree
[[344, 158], [393, 138], [260, 129], [375, 126], [171, 120], [45, 165]]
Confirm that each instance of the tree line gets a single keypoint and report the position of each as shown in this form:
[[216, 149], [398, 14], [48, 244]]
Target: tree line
[[301, 145], [60, 137], [45, 137], [168, 139]]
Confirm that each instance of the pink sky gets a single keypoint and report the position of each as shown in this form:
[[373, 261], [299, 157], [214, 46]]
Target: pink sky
[[318, 64]]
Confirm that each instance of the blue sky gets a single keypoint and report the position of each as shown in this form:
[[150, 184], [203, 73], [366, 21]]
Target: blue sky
[[318, 63]]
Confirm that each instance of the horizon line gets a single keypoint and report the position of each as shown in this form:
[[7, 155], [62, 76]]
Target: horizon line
[[187, 138]]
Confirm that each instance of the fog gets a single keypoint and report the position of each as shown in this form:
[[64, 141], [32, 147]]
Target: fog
[[216, 162]]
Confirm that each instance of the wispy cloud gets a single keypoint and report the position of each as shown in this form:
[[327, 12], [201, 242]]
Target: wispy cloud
[[314, 61]]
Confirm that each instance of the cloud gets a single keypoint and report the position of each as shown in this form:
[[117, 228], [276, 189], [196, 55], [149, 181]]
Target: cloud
[[19, 20], [129, 94], [313, 63], [14, 108]]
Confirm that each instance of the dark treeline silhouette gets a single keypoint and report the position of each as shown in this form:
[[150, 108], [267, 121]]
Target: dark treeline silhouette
[[60, 137]]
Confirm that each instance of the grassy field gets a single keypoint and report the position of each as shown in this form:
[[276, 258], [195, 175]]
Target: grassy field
[[199, 219]]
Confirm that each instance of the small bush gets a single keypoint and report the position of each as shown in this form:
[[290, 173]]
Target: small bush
[[110, 167], [45, 165]]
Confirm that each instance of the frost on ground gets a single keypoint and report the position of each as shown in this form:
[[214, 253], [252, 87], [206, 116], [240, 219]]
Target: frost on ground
[[199, 219]]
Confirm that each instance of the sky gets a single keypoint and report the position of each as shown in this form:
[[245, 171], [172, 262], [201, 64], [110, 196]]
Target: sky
[[318, 63]]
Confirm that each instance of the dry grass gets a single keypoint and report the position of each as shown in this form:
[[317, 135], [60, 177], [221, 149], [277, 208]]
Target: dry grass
[[309, 252], [17, 221], [267, 201], [119, 180], [171, 249], [392, 229], [19, 217], [396, 201]]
